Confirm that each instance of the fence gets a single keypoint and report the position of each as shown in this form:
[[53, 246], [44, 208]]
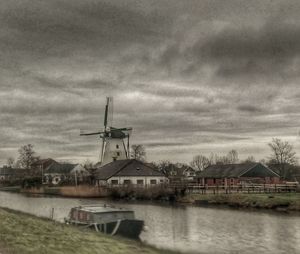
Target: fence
[[245, 188]]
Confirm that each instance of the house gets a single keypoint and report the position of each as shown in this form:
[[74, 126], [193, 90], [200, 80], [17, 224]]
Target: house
[[43, 163], [39, 167], [237, 174], [181, 173], [9, 174], [129, 172], [58, 173]]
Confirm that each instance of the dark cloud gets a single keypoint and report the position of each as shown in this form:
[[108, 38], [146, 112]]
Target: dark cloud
[[61, 28], [249, 108], [189, 77], [238, 51]]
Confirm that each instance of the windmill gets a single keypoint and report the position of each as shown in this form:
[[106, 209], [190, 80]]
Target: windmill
[[115, 141]]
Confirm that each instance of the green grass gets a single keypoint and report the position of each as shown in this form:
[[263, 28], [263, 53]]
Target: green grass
[[23, 233], [10, 188], [269, 201]]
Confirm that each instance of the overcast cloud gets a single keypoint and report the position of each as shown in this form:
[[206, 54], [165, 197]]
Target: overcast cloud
[[190, 77]]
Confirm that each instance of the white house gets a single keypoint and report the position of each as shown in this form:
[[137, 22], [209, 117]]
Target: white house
[[129, 172]]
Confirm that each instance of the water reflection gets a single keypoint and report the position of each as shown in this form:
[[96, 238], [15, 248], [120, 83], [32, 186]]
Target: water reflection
[[188, 228]]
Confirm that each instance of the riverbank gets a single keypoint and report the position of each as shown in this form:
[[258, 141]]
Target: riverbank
[[275, 201], [24, 233], [81, 191], [87, 191]]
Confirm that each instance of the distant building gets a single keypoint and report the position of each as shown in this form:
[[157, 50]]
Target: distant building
[[9, 174], [43, 163], [179, 173], [39, 167], [237, 174], [58, 173], [129, 172]]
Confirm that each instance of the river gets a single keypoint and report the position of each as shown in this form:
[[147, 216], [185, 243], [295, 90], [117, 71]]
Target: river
[[187, 228]]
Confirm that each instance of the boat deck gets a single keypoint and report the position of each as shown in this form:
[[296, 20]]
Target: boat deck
[[101, 209]]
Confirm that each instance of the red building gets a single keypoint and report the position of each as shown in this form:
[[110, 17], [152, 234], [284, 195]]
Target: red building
[[237, 174]]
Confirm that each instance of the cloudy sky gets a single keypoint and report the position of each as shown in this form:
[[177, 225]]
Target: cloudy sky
[[190, 77]]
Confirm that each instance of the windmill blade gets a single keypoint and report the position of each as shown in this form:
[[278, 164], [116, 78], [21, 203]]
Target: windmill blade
[[93, 133], [121, 129], [106, 112], [102, 151], [110, 111]]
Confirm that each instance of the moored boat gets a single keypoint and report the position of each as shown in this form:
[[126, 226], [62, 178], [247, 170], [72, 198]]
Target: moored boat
[[106, 219]]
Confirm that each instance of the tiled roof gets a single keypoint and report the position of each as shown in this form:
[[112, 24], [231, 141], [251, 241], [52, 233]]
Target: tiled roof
[[43, 161], [64, 168], [235, 170], [125, 168]]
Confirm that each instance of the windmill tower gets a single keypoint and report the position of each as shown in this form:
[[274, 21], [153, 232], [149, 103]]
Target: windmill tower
[[115, 141]]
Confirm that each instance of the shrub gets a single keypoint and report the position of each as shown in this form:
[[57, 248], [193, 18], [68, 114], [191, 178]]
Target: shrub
[[32, 182]]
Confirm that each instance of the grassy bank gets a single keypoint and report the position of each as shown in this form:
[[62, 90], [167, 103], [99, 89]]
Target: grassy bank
[[23, 233], [10, 188], [279, 201]]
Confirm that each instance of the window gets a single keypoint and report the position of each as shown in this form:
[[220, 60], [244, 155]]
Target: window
[[127, 181], [161, 180], [118, 153], [141, 182], [153, 181], [114, 182], [81, 215], [117, 146]]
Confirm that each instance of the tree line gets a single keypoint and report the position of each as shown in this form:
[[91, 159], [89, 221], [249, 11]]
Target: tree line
[[282, 160]]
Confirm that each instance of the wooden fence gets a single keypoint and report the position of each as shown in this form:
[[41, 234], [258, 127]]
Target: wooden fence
[[217, 189], [245, 188]]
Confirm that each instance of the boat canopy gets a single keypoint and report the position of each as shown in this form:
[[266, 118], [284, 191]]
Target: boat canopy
[[101, 209]]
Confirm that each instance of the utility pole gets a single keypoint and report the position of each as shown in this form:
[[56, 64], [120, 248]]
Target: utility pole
[[75, 178], [42, 173]]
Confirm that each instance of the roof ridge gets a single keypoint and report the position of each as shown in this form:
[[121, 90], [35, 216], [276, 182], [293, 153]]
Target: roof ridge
[[270, 169], [248, 169], [126, 164]]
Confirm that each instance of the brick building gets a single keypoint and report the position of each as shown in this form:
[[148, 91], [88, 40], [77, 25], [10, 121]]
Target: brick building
[[237, 174]]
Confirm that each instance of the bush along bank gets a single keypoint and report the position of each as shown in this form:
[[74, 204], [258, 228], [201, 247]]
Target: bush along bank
[[151, 193]]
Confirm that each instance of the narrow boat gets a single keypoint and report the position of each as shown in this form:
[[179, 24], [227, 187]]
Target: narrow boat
[[106, 219]]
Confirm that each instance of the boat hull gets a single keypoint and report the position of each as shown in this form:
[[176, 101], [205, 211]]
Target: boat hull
[[126, 228], [129, 228]]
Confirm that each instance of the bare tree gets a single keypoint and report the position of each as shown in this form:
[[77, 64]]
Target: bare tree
[[164, 166], [87, 164], [230, 158], [221, 160], [138, 152], [200, 162], [282, 154], [233, 157], [10, 162], [249, 159], [26, 156]]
